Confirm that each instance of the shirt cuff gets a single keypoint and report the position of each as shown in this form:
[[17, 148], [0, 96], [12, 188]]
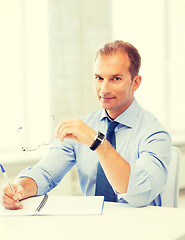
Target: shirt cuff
[[42, 187], [135, 188]]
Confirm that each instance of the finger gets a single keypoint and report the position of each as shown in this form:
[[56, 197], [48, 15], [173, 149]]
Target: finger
[[65, 124], [57, 129], [13, 207], [20, 192], [17, 194], [66, 132], [10, 198], [64, 129], [60, 126], [9, 203], [8, 191]]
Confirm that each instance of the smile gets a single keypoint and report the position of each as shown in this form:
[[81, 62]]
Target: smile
[[106, 99]]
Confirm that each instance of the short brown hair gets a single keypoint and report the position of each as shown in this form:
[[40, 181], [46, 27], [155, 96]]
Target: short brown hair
[[129, 49]]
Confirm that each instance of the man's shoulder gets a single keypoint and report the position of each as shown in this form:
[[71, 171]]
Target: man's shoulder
[[147, 117], [150, 123]]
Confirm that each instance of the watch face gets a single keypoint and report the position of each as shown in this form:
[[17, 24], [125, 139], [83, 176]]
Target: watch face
[[101, 135]]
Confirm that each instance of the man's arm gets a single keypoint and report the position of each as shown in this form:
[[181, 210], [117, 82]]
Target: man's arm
[[138, 182], [116, 169], [24, 187]]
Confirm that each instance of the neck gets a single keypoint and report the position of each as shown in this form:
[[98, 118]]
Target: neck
[[113, 114]]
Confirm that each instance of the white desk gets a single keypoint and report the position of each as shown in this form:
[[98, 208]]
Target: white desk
[[117, 220]]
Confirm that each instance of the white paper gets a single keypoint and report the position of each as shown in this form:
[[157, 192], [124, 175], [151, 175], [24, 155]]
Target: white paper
[[59, 205], [29, 207]]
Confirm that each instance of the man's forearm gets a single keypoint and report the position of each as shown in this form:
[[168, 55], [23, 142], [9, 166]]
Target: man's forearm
[[115, 167], [29, 186]]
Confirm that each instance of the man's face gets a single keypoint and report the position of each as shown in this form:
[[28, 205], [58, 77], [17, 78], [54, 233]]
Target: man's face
[[113, 84]]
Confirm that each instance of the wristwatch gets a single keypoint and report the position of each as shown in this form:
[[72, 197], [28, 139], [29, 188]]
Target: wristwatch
[[99, 138]]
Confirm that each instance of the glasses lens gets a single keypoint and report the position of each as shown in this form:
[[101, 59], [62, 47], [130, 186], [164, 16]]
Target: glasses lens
[[53, 140], [29, 149], [33, 148]]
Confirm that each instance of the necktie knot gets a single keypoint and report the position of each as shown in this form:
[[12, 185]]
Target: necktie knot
[[111, 126]]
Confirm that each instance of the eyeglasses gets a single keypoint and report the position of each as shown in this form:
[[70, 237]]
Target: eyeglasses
[[33, 148]]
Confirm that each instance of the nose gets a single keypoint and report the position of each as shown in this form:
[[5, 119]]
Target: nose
[[105, 87]]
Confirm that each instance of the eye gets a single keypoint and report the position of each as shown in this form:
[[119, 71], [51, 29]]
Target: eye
[[98, 78], [116, 78]]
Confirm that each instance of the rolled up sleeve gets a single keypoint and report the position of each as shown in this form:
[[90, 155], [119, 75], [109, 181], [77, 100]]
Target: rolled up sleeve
[[48, 172], [149, 171]]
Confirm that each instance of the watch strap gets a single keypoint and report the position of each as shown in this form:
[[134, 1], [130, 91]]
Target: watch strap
[[99, 138]]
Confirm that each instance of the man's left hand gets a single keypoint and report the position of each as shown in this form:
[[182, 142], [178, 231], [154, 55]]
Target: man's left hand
[[76, 130]]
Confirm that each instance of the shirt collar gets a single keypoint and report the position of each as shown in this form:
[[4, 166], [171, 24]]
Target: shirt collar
[[128, 117]]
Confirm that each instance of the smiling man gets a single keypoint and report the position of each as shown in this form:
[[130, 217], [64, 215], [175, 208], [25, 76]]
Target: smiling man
[[121, 151], [114, 84]]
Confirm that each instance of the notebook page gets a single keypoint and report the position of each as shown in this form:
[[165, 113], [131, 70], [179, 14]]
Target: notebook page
[[73, 205], [29, 207]]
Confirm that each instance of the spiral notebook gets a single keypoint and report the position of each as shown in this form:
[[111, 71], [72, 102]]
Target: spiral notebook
[[51, 205]]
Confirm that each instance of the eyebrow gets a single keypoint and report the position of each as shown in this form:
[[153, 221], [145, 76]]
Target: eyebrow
[[117, 75], [112, 76]]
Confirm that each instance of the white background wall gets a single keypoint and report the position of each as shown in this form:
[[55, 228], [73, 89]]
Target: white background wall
[[157, 29], [72, 31]]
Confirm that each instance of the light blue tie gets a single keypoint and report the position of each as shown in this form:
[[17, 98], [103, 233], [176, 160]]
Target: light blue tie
[[103, 188]]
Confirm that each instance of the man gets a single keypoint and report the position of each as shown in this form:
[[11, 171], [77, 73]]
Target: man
[[129, 166]]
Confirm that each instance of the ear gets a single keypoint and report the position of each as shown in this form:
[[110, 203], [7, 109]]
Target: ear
[[136, 82]]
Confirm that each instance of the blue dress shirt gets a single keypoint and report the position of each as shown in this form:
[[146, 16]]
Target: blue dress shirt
[[140, 139]]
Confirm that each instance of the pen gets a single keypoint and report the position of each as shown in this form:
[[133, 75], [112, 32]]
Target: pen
[[6, 178]]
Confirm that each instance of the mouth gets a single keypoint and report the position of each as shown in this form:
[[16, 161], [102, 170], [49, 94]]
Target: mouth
[[107, 99]]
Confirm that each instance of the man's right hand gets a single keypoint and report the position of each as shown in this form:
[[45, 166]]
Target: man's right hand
[[11, 200]]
